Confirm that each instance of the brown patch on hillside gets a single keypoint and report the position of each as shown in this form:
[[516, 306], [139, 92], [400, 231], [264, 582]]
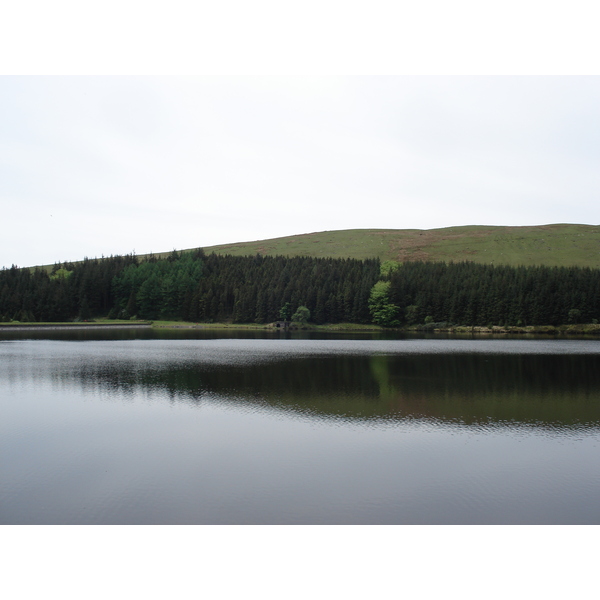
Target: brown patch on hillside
[[414, 246]]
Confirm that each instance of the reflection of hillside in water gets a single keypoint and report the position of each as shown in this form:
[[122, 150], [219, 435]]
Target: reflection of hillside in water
[[543, 390]]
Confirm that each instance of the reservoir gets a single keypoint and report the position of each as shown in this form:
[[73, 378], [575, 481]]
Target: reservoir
[[194, 427]]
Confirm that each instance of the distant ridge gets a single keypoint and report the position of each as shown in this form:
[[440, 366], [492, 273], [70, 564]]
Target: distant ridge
[[550, 245], [560, 244]]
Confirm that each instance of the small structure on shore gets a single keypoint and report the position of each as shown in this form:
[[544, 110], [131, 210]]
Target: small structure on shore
[[282, 324]]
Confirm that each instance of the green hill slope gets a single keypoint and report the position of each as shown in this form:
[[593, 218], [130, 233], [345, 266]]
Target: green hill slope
[[551, 245]]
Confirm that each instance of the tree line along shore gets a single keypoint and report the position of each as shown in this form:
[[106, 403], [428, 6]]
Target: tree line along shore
[[196, 287]]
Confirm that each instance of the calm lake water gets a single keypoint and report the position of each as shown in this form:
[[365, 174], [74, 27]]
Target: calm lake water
[[129, 427]]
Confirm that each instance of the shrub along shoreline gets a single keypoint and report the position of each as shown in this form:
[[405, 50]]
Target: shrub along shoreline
[[588, 329]]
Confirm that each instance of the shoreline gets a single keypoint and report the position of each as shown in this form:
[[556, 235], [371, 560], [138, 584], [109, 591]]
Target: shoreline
[[562, 330], [56, 326]]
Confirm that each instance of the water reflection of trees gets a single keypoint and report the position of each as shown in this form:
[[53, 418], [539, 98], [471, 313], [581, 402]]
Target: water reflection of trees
[[469, 388], [482, 388]]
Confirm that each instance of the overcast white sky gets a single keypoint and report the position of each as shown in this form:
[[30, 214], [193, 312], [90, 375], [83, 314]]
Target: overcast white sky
[[98, 165]]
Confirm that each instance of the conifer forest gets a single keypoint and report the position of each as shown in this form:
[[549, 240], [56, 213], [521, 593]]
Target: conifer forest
[[195, 287]]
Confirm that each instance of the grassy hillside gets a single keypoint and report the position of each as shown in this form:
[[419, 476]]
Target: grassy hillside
[[551, 245]]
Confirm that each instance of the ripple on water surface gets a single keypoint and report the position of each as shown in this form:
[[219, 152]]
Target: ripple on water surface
[[300, 431]]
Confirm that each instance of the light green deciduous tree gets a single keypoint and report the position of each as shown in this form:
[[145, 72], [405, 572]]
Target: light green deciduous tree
[[383, 312], [302, 315]]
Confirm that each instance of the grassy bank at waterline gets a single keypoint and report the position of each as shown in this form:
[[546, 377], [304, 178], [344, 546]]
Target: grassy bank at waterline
[[580, 329]]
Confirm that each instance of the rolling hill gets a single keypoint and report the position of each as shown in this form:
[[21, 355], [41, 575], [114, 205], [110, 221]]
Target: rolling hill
[[550, 245]]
